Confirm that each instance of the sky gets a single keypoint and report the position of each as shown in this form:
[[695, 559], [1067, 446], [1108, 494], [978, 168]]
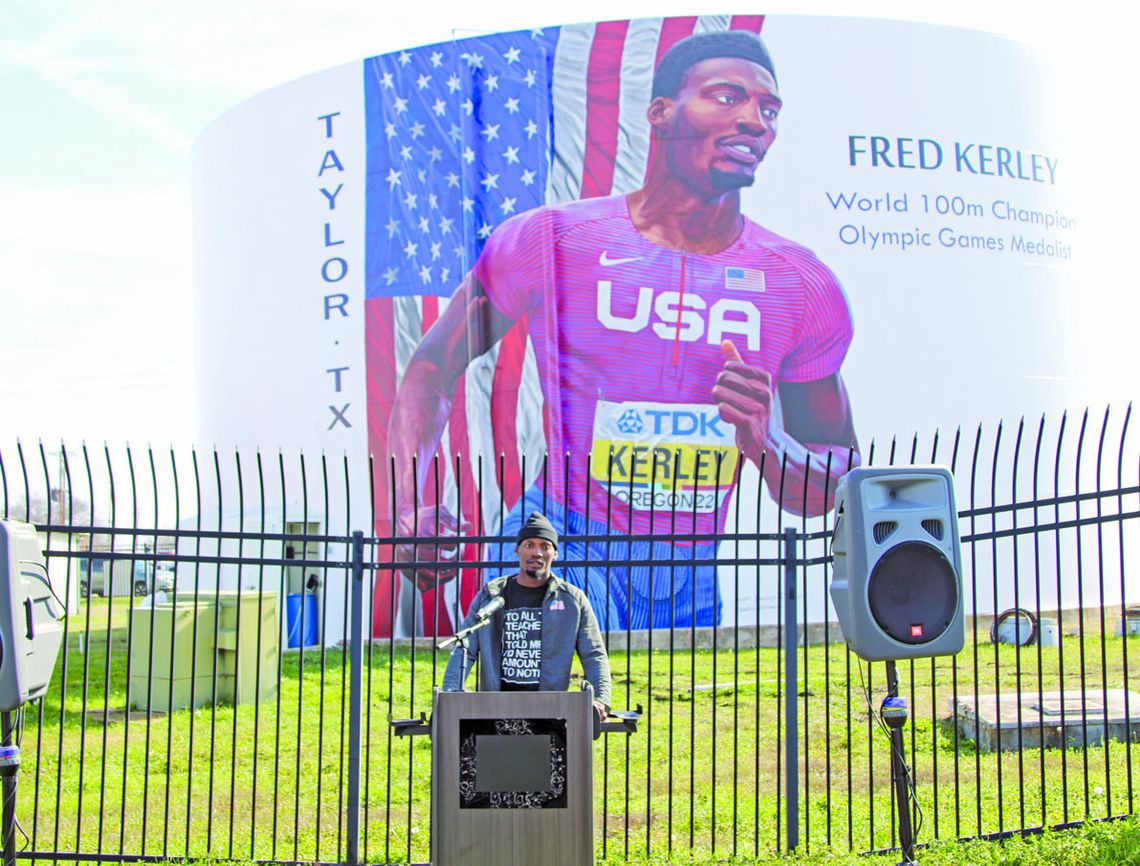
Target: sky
[[101, 104]]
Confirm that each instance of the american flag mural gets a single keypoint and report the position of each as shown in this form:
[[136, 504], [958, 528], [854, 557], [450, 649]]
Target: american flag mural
[[461, 136]]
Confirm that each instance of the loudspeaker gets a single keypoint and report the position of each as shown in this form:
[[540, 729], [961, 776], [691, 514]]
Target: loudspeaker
[[897, 563], [30, 613]]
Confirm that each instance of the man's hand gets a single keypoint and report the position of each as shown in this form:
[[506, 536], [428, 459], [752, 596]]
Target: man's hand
[[601, 710], [743, 395], [430, 521]]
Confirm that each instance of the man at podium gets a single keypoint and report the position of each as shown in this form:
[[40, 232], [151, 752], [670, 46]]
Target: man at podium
[[535, 622]]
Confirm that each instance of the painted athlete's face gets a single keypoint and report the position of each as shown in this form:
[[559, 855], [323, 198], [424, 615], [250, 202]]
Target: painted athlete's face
[[719, 126], [536, 555]]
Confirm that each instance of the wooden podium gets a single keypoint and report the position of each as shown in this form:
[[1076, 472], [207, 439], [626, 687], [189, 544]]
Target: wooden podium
[[512, 778]]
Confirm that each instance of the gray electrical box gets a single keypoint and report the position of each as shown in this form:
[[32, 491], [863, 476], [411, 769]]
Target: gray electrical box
[[30, 614]]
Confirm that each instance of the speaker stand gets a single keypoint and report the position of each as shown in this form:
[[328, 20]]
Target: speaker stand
[[894, 713], [9, 765]]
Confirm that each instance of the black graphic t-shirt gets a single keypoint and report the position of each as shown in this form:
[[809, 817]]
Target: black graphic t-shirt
[[522, 636]]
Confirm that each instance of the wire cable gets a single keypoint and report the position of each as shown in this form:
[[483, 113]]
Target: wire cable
[[908, 776]]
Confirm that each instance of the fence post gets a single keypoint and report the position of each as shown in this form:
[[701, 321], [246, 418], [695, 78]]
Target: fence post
[[791, 678], [355, 699]]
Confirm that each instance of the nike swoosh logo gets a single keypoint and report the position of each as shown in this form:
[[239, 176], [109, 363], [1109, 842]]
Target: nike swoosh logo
[[606, 262]]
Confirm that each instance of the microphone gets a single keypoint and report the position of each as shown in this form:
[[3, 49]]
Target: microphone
[[482, 617], [488, 610]]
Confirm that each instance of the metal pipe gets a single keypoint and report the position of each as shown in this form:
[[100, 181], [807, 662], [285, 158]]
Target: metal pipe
[[355, 701], [791, 677]]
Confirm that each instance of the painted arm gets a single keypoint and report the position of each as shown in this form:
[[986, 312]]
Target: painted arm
[[817, 423], [468, 328]]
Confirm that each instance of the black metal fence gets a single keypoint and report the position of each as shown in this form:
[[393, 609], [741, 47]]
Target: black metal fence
[[193, 729]]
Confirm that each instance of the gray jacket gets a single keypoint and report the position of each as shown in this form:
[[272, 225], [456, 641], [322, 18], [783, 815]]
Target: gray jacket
[[571, 626]]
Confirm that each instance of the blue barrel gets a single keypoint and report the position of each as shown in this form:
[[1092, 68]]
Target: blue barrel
[[301, 619]]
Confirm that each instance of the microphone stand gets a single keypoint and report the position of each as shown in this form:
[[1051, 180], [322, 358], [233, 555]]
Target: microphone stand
[[460, 639], [416, 727]]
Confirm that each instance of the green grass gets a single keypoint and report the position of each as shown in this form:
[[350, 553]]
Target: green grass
[[701, 781], [1115, 843]]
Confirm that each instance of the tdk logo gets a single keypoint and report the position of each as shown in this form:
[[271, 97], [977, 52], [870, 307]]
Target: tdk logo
[[630, 422], [688, 322], [683, 422]]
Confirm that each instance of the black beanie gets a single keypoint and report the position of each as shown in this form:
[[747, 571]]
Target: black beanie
[[537, 526]]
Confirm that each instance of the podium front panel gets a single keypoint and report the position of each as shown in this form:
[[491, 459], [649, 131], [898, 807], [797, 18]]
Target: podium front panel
[[512, 778]]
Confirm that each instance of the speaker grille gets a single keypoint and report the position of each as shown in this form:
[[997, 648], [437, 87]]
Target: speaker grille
[[913, 593], [883, 530], [934, 528]]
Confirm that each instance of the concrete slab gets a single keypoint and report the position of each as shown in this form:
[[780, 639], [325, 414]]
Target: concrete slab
[[1049, 718]]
